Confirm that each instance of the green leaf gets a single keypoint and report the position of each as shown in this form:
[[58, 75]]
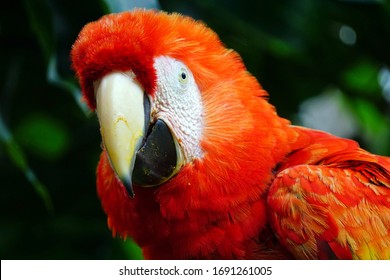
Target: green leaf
[[19, 159], [363, 77], [132, 250], [41, 22], [279, 47], [375, 128], [71, 87], [116, 6], [43, 136]]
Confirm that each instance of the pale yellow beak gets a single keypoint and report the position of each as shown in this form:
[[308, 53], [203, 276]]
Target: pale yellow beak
[[120, 109]]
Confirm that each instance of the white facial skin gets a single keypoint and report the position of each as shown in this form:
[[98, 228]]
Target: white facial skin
[[178, 103]]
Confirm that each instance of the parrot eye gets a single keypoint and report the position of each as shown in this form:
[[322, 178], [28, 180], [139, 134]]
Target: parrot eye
[[183, 76]]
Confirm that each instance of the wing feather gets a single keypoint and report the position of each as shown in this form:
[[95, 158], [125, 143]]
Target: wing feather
[[335, 204]]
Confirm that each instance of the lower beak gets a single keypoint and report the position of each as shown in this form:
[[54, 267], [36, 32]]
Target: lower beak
[[140, 152]]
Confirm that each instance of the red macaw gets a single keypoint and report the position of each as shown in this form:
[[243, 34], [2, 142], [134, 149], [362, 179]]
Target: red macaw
[[197, 164]]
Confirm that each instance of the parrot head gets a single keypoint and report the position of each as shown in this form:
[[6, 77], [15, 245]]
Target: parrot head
[[147, 101], [179, 115]]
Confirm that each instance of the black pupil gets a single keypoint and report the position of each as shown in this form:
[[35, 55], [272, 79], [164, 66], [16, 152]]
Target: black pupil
[[183, 75]]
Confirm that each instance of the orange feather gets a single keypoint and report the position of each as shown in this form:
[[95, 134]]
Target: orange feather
[[322, 195], [334, 203]]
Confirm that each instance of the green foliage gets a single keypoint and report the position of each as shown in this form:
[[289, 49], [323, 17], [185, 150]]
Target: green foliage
[[116, 6], [36, 127], [40, 18], [132, 251], [375, 130], [18, 158], [297, 49], [362, 77]]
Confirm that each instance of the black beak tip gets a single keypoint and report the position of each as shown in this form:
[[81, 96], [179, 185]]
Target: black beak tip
[[129, 187]]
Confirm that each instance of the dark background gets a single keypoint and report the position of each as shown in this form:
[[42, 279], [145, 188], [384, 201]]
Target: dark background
[[325, 63]]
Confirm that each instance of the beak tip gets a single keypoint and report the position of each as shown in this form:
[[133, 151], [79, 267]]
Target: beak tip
[[128, 186]]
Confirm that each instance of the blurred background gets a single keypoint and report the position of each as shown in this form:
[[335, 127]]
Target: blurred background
[[326, 65]]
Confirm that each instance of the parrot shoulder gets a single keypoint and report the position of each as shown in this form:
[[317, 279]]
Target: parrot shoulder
[[334, 207]]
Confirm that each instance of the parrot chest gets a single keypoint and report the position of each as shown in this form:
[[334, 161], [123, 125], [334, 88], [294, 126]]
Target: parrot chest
[[237, 234]]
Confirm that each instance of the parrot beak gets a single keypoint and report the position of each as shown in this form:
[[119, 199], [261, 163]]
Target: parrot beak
[[140, 152]]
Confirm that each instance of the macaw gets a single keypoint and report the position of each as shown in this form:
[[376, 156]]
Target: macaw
[[196, 163]]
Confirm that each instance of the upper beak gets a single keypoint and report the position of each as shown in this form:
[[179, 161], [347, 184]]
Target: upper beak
[[139, 150], [120, 109]]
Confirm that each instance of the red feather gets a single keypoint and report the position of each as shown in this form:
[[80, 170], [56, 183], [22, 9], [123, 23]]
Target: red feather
[[263, 188]]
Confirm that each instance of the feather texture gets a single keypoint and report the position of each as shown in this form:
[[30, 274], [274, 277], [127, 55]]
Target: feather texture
[[262, 188], [333, 201]]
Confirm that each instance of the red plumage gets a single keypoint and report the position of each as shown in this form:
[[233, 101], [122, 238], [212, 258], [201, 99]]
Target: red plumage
[[263, 188]]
